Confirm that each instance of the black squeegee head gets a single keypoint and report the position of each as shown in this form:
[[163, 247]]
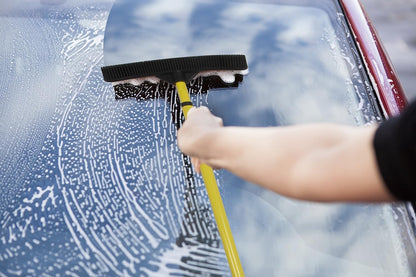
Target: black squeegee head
[[174, 69]]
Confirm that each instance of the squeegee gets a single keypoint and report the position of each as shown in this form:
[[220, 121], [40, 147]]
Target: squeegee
[[179, 71]]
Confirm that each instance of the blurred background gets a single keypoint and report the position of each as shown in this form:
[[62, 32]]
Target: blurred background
[[395, 21]]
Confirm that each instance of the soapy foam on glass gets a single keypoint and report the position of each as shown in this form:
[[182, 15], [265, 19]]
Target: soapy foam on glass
[[227, 76]]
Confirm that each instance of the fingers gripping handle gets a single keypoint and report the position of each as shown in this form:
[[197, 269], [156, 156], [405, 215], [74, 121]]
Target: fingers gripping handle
[[214, 197]]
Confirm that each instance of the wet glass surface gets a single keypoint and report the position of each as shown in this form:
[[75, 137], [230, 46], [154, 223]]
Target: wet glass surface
[[97, 186]]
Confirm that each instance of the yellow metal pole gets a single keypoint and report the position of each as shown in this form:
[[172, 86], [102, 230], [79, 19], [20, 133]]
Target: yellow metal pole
[[214, 197]]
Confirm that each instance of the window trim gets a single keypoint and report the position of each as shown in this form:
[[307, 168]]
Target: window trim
[[382, 74]]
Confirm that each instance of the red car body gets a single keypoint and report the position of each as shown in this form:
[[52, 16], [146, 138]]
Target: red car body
[[383, 75]]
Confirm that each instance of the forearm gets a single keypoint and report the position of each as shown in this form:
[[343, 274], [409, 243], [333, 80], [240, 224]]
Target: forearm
[[319, 162], [255, 154], [315, 162]]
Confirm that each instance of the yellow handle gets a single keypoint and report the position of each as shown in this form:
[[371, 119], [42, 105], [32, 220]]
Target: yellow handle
[[214, 197], [222, 221]]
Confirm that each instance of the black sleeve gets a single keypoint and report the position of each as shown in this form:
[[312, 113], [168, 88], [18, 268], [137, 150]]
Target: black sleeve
[[395, 148]]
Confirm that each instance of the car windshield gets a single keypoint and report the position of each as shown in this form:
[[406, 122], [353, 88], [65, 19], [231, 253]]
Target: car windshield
[[94, 186]]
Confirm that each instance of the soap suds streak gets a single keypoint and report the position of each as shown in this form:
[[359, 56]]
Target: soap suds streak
[[110, 193]]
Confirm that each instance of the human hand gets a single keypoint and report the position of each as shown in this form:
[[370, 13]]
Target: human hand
[[197, 133]]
